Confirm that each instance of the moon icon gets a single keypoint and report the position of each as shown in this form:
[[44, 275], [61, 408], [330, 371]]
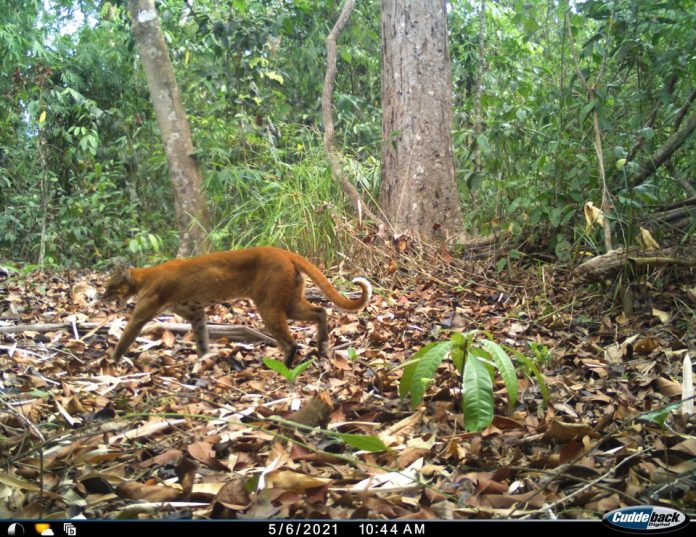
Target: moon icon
[[15, 530]]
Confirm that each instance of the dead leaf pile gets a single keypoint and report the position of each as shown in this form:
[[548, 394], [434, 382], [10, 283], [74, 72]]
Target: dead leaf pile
[[162, 434]]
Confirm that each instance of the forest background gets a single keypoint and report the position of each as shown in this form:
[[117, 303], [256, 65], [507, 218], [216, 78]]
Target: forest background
[[533, 364], [84, 177]]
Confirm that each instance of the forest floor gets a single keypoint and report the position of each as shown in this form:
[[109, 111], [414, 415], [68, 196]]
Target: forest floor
[[162, 434]]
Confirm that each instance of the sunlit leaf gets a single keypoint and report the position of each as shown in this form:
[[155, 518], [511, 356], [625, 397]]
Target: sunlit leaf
[[477, 396]]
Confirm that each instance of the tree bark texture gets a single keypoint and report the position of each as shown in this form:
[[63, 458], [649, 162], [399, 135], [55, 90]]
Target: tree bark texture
[[191, 210], [419, 193]]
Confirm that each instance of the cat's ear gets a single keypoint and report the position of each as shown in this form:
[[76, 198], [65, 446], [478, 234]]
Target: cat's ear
[[121, 272]]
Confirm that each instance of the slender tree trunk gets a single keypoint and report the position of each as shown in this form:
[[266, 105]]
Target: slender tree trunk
[[592, 97], [334, 156], [419, 192], [191, 210]]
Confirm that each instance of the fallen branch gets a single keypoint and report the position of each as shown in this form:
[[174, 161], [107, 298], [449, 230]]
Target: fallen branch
[[661, 260], [682, 211], [234, 332], [674, 205], [599, 266]]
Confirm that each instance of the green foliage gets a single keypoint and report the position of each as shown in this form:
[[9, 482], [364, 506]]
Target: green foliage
[[79, 144], [362, 442], [477, 362], [477, 394], [661, 414], [288, 205], [531, 368], [538, 161], [84, 178], [420, 370], [504, 366], [352, 354], [289, 374]]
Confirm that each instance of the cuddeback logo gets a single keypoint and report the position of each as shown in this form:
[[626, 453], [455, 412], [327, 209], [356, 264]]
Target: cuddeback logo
[[646, 519]]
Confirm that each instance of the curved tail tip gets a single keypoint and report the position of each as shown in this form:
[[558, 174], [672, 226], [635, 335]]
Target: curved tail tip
[[366, 286]]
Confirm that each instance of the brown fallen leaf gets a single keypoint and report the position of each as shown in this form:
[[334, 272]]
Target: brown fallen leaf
[[132, 490], [646, 345], [204, 453], [410, 455], [315, 413], [82, 293], [168, 339], [171, 456], [234, 495], [186, 472], [667, 387], [565, 432], [296, 481], [664, 316]]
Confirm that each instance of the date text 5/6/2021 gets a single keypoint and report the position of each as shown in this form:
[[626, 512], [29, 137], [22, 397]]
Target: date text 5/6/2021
[[361, 529]]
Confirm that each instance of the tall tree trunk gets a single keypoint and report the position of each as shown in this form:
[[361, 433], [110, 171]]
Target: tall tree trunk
[[419, 192], [191, 210]]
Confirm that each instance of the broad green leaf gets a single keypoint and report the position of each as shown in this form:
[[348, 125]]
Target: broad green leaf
[[361, 441], [241, 5], [555, 216], [660, 415], [505, 367], [410, 369], [421, 370], [274, 76], [277, 366], [297, 370], [477, 396], [346, 56], [425, 371], [562, 249], [647, 133], [501, 264], [484, 144], [458, 349]]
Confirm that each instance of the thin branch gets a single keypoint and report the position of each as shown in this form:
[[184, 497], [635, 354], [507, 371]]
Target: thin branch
[[681, 113], [235, 332], [587, 486], [591, 96], [651, 121]]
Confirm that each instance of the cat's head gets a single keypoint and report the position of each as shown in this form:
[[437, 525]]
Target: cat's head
[[120, 285]]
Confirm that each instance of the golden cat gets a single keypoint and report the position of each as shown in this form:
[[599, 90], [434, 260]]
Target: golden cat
[[271, 277]]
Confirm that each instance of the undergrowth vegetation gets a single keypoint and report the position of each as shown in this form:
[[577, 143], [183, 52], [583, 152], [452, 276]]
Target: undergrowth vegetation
[[84, 178]]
